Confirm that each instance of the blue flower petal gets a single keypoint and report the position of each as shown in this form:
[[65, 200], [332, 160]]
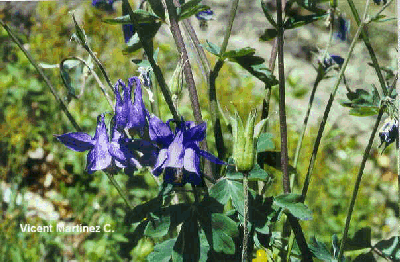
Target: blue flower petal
[[191, 161], [160, 132], [176, 152], [196, 133], [160, 163], [99, 156], [77, 141], [211, 157]]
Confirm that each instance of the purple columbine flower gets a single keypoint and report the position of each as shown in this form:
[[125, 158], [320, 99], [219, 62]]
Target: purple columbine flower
[[130, 115], [99, 157], [180, 154]]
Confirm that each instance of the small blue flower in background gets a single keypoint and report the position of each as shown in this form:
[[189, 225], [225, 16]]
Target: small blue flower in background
[[130, 115], [128, 31], [106, 5], [180, 152], [343, 28], [389, 132], [204, 17], [332, 60], [378, 2], [99, 157]]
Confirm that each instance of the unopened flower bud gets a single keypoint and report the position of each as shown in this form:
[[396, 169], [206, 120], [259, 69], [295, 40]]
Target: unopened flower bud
[[176, 82], [245, 141]]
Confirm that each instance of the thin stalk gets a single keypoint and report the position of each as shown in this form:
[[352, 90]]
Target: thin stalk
[[219, 139], [245, 256], [228, 31], [96, 77], [358, 181], [187, 70], [398, 116], [294, 223], [100, 65], [318, 79], [282, 109], [156, 69], [369, 46], [329, 105], [63, 106], [119, 189], [205, 64], [361, 171]]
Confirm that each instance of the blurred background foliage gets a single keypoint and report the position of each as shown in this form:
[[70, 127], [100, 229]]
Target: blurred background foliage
[[32, 161]]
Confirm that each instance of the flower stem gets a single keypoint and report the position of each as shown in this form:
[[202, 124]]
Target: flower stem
[[212, 89], [282, 110], [156, 69], [187, 70], [358, 181], [246, 217], [368, 44], [119, 189], [96, 77], [361, 171], [41, 73], [329, 105]]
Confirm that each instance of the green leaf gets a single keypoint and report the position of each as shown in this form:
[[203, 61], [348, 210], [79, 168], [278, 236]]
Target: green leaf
[[239, 52], [390, 248], [311, 5], [364, 111], [141, 211], [231, 172], [367, 257], [71, 73], [227, 189], [187, 246], [212, 48], [362, 102], [120, 238], [79, 35], [204, 248], [224, 229], [158, 226], [293, 203], [162, 252], [320, 250], [258, 174], [158, 8], [140, 15], [269, 34], [255, 66], [265, 142], [190, 8], [178, 213], [300, 20], [262, 213], [134, 44], [267, 14]]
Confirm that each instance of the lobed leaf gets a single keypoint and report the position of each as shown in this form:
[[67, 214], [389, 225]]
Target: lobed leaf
[[292, 202]]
